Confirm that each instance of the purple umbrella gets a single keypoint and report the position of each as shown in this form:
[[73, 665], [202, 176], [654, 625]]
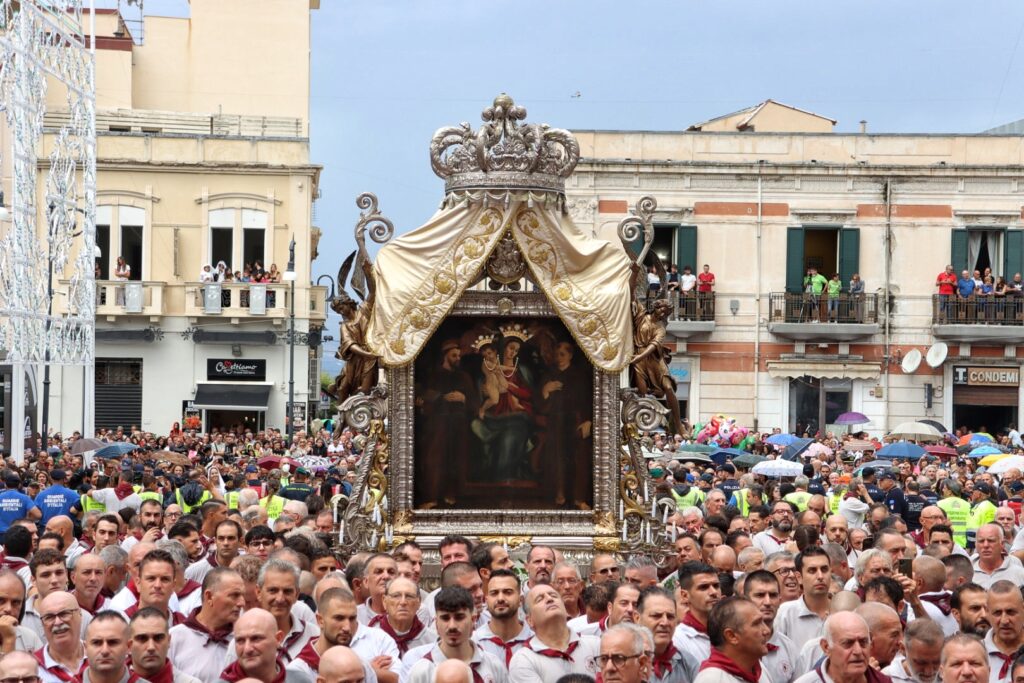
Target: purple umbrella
[[852, 419]]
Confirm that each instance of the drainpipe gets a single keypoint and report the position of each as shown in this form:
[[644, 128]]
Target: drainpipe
[[757, 298], [888, 270]]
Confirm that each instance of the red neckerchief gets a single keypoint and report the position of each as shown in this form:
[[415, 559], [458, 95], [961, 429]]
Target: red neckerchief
[[507, 646], [58, 670], [718, 660], [107, 593], [771, 647], [221, 635], [291, 640], [13, 563], [552, 652], [97, 604], [602, 624], [123, 490], [402, 641], [234, 673], [188, 589], [477, 678], [872, 675], [165, 675], [176, 618], [940, 600], [1004, 670], [663, 663], [692, 622], [309, 655], [132, 589], [211, 559]]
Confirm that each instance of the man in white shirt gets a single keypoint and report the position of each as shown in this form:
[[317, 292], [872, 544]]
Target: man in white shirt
[[775, 538], [992, 563], [699, 588], [200, 645], [803, 620], [847, 646], [930, 576], [504, 634], [554, 650], [278, 583], [12, 597], [922, 643], [401, 621], [63, 656], [762, 588]]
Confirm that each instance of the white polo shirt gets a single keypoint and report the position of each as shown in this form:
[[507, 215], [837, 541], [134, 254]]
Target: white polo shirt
[[487, 667], [532, 665], [781, 661], [692, 642], [796, 621], [197, 654], [502, 650], [1010, 570]]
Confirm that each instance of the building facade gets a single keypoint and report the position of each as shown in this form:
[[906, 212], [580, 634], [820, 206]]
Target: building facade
[[202, 157], [761, 196]]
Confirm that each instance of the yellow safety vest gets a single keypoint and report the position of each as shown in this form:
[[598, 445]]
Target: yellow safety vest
[[834, 499], [152, 495], [274, 505], [231, 498], [89, 504], [981, 514], [187, 509], [742, 503], [798, 498], [958, 511]]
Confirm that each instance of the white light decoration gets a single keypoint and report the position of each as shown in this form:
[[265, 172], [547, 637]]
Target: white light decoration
[[45, 44]]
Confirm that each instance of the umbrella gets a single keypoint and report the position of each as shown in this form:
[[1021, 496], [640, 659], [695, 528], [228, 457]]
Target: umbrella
[[748, 460], [780, 439], [723, 454], [941, 450], [818, 449], [901, 449], [1007, 463], [695, 448], [269, 462], [916, 431], [980, 437], [794, 449], [935, 423], [698, 458], [314, 462], [852, 419], [778, 468], [115, 450], [83, 445], [990, 460], [981, 451], [858, 445], [874, 464], [174, 458]]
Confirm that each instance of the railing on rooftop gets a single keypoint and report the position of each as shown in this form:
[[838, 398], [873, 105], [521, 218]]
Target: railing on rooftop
[[183, 123], [978, 310], [855, 309]]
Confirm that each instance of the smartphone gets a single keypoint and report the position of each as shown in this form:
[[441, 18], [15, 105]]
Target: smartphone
[[907, 568], [869, 542]]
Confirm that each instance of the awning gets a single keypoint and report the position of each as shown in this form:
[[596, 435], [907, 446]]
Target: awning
[[828, 369], [232, 396]]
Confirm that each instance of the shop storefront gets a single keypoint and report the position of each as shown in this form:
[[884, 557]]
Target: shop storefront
[[236, 395], [985, 397]]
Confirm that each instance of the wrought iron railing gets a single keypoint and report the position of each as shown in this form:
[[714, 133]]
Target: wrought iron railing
[[786, 307], [692, 306], [978, 309]]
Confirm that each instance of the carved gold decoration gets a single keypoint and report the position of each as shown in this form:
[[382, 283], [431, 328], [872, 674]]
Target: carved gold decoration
[[606, 544], [507, 541], [604, 522], [402, 520]]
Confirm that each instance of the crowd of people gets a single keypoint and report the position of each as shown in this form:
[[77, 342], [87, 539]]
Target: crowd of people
[[194, 558], [252, 272], [979, 296]]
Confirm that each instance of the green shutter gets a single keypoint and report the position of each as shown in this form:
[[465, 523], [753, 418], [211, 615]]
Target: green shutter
[[958, 250], [1013, 253], [849, 254], [795, 260], [686, 248]]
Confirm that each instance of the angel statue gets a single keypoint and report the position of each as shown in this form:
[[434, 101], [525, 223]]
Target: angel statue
[[648, 369], [359, 374]]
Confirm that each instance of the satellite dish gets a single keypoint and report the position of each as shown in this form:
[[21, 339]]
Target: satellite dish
[[911, 361], [937, 354]]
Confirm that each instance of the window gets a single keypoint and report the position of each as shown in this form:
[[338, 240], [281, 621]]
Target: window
[[103, 218], [827, 249], [222, 234], [815, 403], [120, 231], [1000, 249], [237, 237], [254, 230]]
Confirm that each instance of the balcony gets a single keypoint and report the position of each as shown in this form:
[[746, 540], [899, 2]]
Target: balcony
[[803, 317], [691, 315], [993, 320], [241, 300], [116, 299]]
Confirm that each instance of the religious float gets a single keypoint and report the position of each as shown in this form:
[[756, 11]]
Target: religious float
[[486, 360]]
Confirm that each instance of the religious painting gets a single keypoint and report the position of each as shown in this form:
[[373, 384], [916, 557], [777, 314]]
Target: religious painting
[[503, 417]]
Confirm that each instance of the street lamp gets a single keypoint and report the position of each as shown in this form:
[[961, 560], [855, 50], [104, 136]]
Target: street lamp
[[289, 276]]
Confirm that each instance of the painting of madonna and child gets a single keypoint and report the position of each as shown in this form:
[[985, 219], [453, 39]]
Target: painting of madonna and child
[[504, 417]]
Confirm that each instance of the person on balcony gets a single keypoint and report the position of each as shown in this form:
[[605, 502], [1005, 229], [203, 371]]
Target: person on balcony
[[687, 288], [856, 298], [206, 274], [814, 284], [986, 298], [946, 282], [122, 273], [835, 289], [705, 293], [965, 294]]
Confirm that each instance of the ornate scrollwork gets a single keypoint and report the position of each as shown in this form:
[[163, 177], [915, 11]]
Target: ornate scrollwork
[[641, 223], [506, 265], [643, 411], [504, 152], [361, 410], [365, 523], [507, 541], [381, 228]]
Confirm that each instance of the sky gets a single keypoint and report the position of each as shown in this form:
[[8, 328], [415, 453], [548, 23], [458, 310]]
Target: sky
[[387, 73]]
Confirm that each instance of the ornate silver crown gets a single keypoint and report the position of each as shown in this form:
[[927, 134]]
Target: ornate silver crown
[[504, 153]]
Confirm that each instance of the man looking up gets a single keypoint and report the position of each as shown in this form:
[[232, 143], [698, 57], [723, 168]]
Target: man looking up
[[504, 634], [401, 622], [762, 589], [554, 650], [200, 645], [63, 657], [698, 588], [739, 634], [656, 610], [567, 581], [148, 642], [278, 584], [454, 623], [803, 619], [336, 617], [1006, 611]]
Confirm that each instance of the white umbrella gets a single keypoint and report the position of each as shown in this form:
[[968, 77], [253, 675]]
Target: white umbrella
[[779, 468], [1001, 466], [915, 431]]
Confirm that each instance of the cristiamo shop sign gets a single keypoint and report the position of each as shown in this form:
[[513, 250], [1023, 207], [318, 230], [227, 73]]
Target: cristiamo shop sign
[[236, 369]]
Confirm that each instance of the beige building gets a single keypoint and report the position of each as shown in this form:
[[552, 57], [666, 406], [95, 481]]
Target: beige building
[[202, 157], [763, 194]]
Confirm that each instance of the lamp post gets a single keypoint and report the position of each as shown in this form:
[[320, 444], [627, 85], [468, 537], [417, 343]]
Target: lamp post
[[289, 276]]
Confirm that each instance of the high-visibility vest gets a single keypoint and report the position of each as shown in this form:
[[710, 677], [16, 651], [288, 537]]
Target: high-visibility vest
[[231, 498], [981, 514], [89, 504], [957, 510], [834, 499], [152, 495], [187, 509], [798, 498], [742, 504], [274, 505]]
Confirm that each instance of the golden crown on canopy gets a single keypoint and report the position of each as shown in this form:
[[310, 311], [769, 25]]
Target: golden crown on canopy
[[515, 330], [504, 153]]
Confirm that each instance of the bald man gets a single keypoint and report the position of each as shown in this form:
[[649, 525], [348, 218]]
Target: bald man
[[257, 639], [19, 665], [930, 576], [65, 528], [847, 648], [339, 664], [453, 671]]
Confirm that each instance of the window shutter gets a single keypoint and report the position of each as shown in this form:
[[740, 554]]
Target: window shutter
[[958, 250], [795, 260], [686, 248], [849, 254], [1013, 253]]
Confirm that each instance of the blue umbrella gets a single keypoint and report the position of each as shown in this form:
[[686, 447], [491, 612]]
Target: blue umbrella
[[901, 449], [982, 451], [780, 439], [797, 447], [115, 450], [723, 454]]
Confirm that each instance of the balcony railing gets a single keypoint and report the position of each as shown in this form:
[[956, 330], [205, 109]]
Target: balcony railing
[[237, 300], [847, 309], [978, 310], [693, 307]]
